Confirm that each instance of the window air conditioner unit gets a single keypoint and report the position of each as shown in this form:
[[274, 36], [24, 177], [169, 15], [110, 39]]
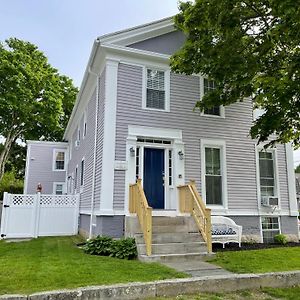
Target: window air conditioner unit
[[77, 143], [270, 201]]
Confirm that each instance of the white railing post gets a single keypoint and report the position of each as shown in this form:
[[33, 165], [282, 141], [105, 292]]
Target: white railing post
[[4, 215]]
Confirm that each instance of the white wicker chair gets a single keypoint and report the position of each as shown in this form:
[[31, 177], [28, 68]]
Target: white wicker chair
[[225, 230]]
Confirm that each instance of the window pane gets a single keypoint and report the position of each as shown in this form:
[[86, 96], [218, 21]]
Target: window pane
[[266, 168], [155, 97], [59, 189], [212, 161], [60, 161], [82, 172], [213, 189], [212, 111]]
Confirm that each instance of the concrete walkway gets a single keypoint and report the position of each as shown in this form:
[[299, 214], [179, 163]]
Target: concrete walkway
[[197, 268]]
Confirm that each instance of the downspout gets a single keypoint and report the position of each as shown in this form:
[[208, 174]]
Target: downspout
[[95, 147]]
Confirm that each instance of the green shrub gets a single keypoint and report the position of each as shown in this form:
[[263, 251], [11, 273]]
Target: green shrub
[[10, 184], [98, 246], [280, 239], [106, 246], [124, 249]]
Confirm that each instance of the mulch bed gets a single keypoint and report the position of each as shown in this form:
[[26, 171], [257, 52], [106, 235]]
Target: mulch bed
[[255, 246]]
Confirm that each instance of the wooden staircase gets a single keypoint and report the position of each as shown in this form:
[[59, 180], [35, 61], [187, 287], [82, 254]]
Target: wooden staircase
[[170, 239]]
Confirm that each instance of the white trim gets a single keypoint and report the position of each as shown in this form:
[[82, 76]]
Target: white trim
[[175, 136], [221, 144], [63, 187], [261, 208], [222, 108], [46, 143], [54, 152], [27, 166], [167, 73], [139, 33], [291, 180], [109, 136]]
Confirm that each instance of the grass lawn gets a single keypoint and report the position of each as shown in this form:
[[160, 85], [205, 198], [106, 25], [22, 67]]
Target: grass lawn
[[259, 261], [56, 262], [264, 294]]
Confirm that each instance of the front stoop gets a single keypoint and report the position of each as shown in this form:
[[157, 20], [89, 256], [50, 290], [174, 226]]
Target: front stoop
[[174, 239]]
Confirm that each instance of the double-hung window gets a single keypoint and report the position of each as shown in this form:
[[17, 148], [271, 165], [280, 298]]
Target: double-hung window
[[213, 176], [156, 94], [267, 175], [270, 228], [59, 160], [59, 188], [208, 86]]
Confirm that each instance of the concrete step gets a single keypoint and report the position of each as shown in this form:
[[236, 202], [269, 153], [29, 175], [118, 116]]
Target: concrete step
[[175, 257], [172, 228], [176, 237], [157, 221], [178, 248]]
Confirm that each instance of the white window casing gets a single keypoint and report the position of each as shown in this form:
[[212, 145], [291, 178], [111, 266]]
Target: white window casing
[[59, 160], [221, 146], [203, 90], [156, 84], [270, 226], [59, 188], [264, 161]]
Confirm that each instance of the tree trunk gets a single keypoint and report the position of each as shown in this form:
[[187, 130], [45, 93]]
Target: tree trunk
[[9, 140]]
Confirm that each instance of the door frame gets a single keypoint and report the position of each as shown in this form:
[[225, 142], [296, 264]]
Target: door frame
[[176, 145]]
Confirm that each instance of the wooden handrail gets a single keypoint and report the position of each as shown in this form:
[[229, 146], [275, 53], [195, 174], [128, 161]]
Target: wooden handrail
[[138, 204], [191, 202]]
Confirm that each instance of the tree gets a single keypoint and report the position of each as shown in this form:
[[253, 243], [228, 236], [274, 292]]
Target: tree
[[251, 49], [297, 169], [16, 161], [35, 100]]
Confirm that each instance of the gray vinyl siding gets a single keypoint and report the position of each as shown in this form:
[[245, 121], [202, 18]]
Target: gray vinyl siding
[[40, 168], [166, 44], [234, 129], [86, 150]]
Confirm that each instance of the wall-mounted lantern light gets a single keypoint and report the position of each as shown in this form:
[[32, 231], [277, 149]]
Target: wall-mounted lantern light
[[181, 155], [132, 152]]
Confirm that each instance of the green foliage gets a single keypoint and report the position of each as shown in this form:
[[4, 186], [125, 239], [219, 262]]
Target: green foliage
[[98, 246], [35, 100], [105, 246], [280, 239], [297, 169], [124, 249], [17, 160], [251, 50], [9, 183]]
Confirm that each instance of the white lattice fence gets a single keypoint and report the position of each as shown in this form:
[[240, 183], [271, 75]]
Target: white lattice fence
[[39, 215]]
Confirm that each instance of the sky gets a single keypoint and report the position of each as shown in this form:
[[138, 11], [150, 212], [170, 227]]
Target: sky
[[65, 29]]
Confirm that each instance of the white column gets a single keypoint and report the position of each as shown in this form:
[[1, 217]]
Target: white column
[[109, 138], [291, 179]]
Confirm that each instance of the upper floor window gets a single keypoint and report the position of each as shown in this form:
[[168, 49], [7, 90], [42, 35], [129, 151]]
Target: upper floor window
[[84, 125], [59, 160], [156, 92], [267, 180], [210, 85]]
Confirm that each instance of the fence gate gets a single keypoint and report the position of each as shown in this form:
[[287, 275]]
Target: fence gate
[[26, 216]]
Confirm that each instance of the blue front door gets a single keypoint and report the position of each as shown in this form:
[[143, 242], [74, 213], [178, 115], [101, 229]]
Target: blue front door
[[154, 172]]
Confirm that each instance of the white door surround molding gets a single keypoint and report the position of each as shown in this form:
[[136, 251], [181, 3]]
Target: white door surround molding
[[177, 145]]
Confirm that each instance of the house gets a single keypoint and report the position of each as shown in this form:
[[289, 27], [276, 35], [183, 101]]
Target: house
[[134, 118]]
